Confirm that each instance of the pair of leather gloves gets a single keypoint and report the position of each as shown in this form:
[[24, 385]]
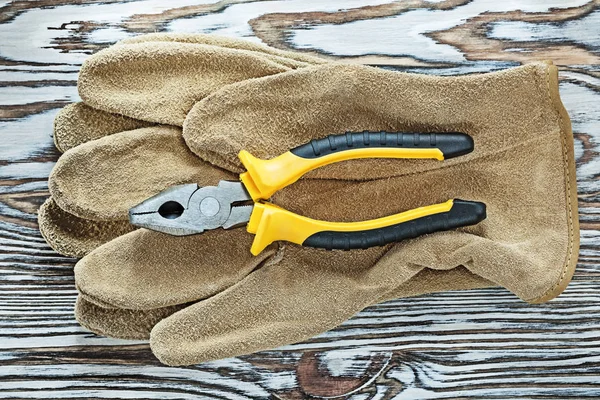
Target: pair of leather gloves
[[165, 109]]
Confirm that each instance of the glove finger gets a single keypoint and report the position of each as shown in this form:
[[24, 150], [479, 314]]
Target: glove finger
[[73, 236], [144, 270], [161, 81], [306, 293], [104, 178], [274, 114], [79, 123], [291, 59], [118, 322], [137, 324]]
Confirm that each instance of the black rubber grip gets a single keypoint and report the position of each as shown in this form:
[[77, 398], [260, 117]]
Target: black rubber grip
[[451, 144], [462, 213]]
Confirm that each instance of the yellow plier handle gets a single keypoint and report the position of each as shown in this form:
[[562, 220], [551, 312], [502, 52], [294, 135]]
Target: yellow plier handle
[[271, 223], [265, 177]]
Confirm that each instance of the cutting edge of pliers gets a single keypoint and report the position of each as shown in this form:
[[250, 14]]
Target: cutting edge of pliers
[[189, 209]]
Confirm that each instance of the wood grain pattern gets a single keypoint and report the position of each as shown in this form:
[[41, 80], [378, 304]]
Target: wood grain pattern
[[471, 344]]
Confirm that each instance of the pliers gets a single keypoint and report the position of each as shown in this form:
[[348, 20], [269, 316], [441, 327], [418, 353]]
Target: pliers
[[189, 209]]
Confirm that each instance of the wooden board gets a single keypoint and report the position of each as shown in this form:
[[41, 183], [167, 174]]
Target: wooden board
[[475, 344]]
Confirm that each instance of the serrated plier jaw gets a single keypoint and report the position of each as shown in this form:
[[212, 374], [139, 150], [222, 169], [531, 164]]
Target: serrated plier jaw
[[188, 209]]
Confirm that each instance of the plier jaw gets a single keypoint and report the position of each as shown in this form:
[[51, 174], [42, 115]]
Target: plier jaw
[[189, 209]]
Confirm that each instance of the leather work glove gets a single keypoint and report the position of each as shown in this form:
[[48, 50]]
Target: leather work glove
[[80, 123], [220, 301]]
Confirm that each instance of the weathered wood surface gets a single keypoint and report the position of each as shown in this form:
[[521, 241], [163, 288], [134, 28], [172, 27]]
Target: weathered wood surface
[[483, 343]]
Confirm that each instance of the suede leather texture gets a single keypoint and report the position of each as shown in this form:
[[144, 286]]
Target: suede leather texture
[[205, 297], [160, 80]]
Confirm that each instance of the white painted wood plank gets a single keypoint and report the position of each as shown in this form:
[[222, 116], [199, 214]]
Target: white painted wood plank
[[475, 344]]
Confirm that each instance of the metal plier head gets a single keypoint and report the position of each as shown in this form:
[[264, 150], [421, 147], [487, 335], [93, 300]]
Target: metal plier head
[[188, 209]]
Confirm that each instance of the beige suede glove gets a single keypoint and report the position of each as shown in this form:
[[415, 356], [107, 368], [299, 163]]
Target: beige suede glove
[[522, 169], [80, 123]]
